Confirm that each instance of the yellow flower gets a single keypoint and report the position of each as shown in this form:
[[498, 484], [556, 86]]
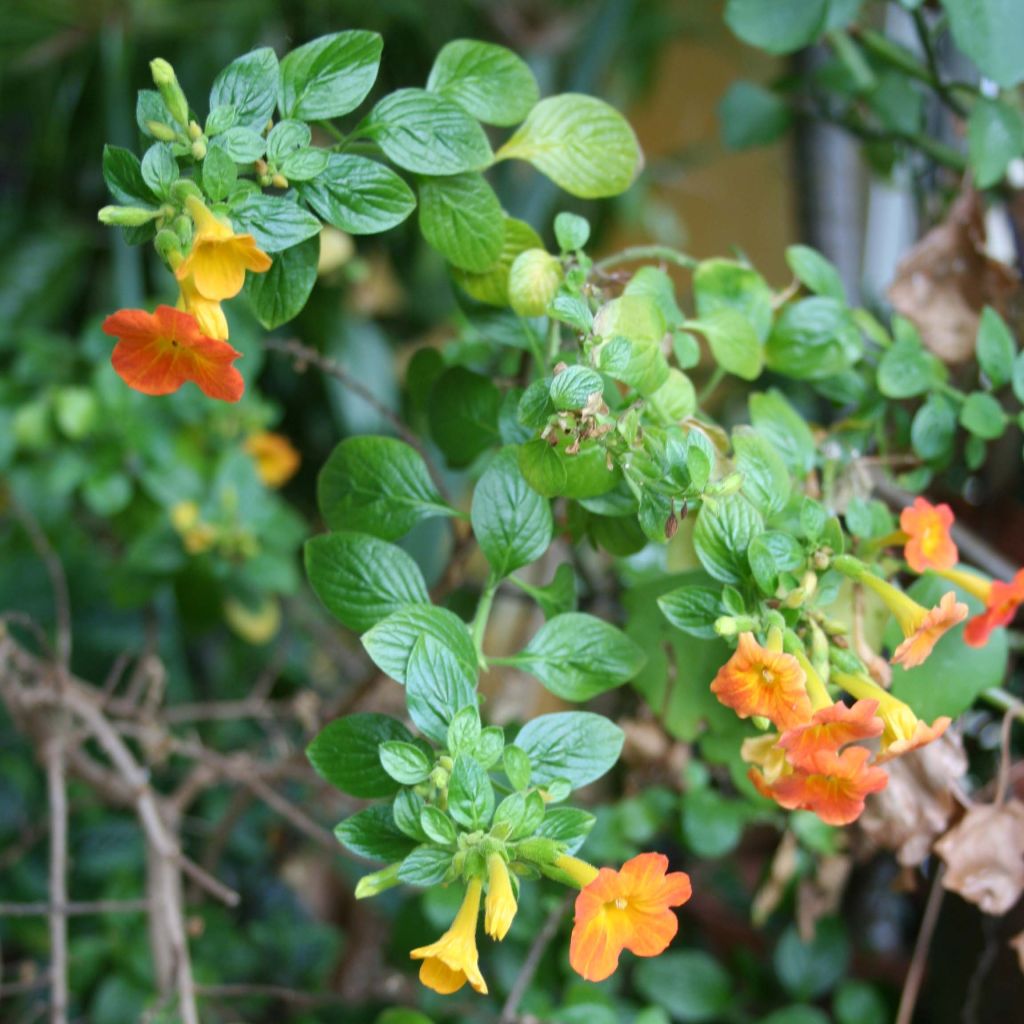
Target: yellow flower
[[219, 258], [184, 516], [210, 317], [500, 905], [453, 960], [903, 730], [276, 458]]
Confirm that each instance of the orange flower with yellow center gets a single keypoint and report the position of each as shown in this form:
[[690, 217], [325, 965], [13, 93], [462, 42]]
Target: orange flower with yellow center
[[453, 960], [158, 352], [276, 458], [922, 627], [1001, 602], [903, 731], [764, 681], [831, 729], [929, 545], [219, 258], [833, 786], [625, 909]]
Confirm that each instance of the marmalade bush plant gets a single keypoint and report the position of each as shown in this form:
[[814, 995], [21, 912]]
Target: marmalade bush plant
[[673, 436]]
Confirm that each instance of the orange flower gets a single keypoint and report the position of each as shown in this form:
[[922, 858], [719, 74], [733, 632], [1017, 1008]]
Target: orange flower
[[760, 681], [453, 960], [1001, 603], [902, 731], [922, 636], [830, 729], [157, 352], [276, 458], [219, 258], [770, 760], [626, 909], [833, 786], [929, 545]]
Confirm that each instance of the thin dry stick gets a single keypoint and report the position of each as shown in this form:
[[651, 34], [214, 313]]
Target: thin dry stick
[[303, 354], [915, 974], [58, 800], [533, 958], [279, 992], [74, 908], [1006, 755]]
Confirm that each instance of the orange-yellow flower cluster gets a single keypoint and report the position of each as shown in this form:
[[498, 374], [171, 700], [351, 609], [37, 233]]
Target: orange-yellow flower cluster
[[158, 352], [929, 545]]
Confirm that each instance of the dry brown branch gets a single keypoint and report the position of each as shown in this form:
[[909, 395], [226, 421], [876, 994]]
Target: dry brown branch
[[78, 908], [915, 974], [58, 800]]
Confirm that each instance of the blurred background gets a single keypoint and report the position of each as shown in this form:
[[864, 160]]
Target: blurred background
[[183, 559]]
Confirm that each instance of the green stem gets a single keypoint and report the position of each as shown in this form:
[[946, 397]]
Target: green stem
[[335, 133], [711, 386], [1004, 701], [554, 340], [483, 612], [647, 252]]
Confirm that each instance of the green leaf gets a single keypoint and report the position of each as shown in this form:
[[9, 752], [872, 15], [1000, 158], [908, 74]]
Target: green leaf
[[491, 286], [437, 825], [995, 136], [690, 985], [150, 106], [766, 481], [404, 762], [249, 85], [815, 272], [779, 27], [304, 164], [693, 609], [906, 369], [654, 284], [725, 284], [159, 168], [567, 825], [358, 195], [785, 428], [516, 763], [712, 824], [491, 82], [572, 233], [733, 341], [361, 579], [934, 428], [675, 400], [511, 521], [581, 143], [809, 969], [220, 119], [722, 535], [857, 1002], [377, 485], [274, 223], [813, 338], [463, 731], [329, 76], [995, 348], [428, 134], [460, 216], [437, 686], [463, 414], [390, 643], [280, 294], [345, 753], [425, 866], [286, 137], [373, 833], [577, 656], [954, 674], [219, 173], [123, 174], [983, 416], [989, 32], [243, 145], [470, 794], [571, 388], [750, 115], [574, 745], [406, 812]]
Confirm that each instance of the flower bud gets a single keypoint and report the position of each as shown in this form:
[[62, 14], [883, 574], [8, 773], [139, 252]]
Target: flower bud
[[533, 282], [168, 245], [373, 884], [194, 131], [279, 181], [166, 82], [539, 849], [160, 131], [127, 216], [199, 149]]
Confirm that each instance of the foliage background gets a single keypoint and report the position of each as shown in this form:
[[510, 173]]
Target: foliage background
[[100, 468]]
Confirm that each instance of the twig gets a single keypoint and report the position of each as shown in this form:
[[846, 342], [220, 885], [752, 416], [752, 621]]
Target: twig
[[278, 992], [634, 253], [533, 958], [74, 908], [302, 354], [1006, 755], [915, 973], [58, 800]]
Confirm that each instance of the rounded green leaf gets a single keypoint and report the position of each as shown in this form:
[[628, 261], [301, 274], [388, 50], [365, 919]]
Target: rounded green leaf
[[809, 969], [460, 216], [813, 338], [438, 685], [249, 85], [995, 136], [390, 643], [491, 286], [933, 428], [428, 134], [983, 416], [995, 348], [722, 535], [726, 284], [691, 985], [778, 27], [463, 414], [733, 342], [581, 143], [751, 115], [274, 222], [329, 76], [491, 82], [281, 293], [358, 195], [989, 32], [345, 753], [815, 272], [575, 745]]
